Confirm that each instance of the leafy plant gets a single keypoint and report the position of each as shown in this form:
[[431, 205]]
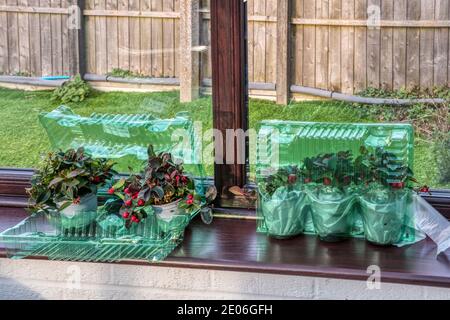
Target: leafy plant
[[162, 182], [65, 177], [75, 90], [284, 177], [122, 73]]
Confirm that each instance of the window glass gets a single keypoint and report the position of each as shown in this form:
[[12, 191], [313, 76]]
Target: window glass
[[140, 61]]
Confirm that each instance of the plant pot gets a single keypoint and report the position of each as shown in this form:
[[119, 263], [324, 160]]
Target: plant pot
[[384, 212], [284, 213], [77, 216], [168, 211], [333, 213]]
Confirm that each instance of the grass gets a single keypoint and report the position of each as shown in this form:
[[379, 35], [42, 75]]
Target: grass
[[23, 139]]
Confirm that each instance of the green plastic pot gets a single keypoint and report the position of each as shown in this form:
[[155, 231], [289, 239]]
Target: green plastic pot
[[384, 212], [284, 213], [333, 213]]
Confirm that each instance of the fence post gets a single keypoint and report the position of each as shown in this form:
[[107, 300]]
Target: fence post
[[76, 29], [283, 51], [189, 55]]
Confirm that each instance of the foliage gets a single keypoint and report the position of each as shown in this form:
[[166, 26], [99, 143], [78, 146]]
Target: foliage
[[162, 182], [75, 90], [287, 176], [340, 170], [442, 153], [426, 118], [122, 73], [65, 177]]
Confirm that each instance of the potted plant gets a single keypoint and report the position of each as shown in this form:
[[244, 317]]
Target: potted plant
[[162, 189], [386, 195], [282, 202], [65, 188], [331, 191]]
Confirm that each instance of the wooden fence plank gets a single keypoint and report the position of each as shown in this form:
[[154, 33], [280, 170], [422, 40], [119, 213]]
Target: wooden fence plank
[[65, 41], [427, 46], [373, 44], [13, 40], [146, 40], [24, 40], [348, 48], [90, 39], [335, 47], [124, 39], [205, 38], [360, 76], [46, 40], [259, 55], [35, 41], [322, 41], [297, 73], [309, 46], [168, 40], [251, 41], [157, 41], [101, 58], [4, 63], [271, 42], [413, 46], [441, 45], [56, 39], [113, 37], [386, 48], [399, 46], [177, 42], [135, 41]]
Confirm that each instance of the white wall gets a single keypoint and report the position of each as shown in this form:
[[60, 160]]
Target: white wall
[[34, 279]]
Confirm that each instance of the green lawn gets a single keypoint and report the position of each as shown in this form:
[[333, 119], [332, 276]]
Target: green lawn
[[23, 139]]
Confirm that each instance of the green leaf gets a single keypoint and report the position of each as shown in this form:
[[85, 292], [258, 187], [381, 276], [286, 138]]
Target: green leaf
[[55, 181]]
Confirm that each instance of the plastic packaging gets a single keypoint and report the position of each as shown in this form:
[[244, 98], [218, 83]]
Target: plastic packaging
[[352, 180], [100, 234]]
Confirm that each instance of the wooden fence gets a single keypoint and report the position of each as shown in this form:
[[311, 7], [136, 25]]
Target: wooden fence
[[337, 45]]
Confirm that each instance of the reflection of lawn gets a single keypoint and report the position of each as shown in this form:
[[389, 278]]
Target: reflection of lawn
[[23, 139]]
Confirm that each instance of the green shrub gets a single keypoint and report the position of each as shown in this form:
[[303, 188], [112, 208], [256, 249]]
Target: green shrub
[[442, 152], [75, 90]]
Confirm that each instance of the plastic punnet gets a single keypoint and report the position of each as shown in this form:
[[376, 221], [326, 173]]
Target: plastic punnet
[[339, 196], [100, 234]]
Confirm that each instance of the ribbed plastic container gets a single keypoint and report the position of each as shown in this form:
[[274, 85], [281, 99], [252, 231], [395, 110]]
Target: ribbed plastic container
[[101, 236], [104, 240], [333, 212]]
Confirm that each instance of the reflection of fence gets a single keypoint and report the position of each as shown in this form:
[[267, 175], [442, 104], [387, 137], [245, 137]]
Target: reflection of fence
[[339, 45]]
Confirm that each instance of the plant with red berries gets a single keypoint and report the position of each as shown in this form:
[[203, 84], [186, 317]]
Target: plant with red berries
[[65, 177], [333, 169], [162, 182], [288, 177]]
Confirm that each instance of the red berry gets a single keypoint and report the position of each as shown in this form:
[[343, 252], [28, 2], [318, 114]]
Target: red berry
[[190, 197], [327, 181], [128, 203], [292, 178], [308, 180], [127, 191], [135, 196], [135, 219], [111, 191], [184, 179], [425, 189], [96, 179], [141, 203], [190, 201], [126, 215]]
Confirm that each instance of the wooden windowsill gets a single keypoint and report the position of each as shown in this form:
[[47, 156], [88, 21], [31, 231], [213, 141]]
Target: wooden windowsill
[[233, 245]]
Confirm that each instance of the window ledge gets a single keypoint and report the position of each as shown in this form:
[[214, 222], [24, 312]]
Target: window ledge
[[232, 245]]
